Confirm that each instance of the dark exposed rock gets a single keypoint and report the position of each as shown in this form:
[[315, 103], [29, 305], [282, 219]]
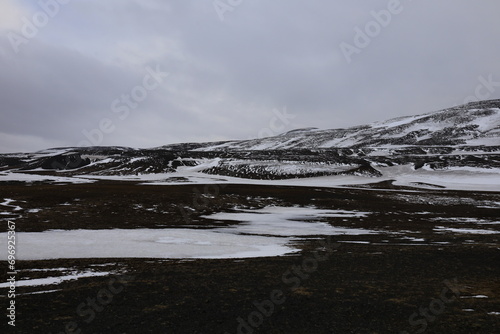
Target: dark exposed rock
[[70, 161]]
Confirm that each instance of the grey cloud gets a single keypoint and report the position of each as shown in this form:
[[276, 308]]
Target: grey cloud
[[227, 77]]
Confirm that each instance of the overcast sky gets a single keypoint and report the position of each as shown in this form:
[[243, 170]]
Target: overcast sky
[[145, 73]]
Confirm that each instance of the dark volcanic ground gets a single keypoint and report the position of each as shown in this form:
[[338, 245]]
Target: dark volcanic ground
[[390, 283]]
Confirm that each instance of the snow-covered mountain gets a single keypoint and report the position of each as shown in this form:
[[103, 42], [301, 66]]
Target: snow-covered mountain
[[466, 136], [476, 123]]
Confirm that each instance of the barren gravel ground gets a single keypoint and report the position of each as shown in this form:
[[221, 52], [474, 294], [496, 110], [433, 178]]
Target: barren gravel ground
[[414, 276]]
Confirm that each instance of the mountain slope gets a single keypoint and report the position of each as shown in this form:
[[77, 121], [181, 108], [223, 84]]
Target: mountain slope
[[476, 123], [466, 136]]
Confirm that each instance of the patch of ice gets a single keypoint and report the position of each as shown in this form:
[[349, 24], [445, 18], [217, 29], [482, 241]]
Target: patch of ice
[[180, 241], [24, 177], [490, 205], [145, 243], [264, 232], [465, 220], [413, 239], [354, 242], [38, 292], [103, 264], [464, 230], [489, 223], [288, 221], [55, 280], [7, 202], [49, 269], [475, 297]]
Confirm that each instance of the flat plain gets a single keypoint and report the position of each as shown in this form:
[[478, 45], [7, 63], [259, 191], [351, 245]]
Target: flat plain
[[428, 262]]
